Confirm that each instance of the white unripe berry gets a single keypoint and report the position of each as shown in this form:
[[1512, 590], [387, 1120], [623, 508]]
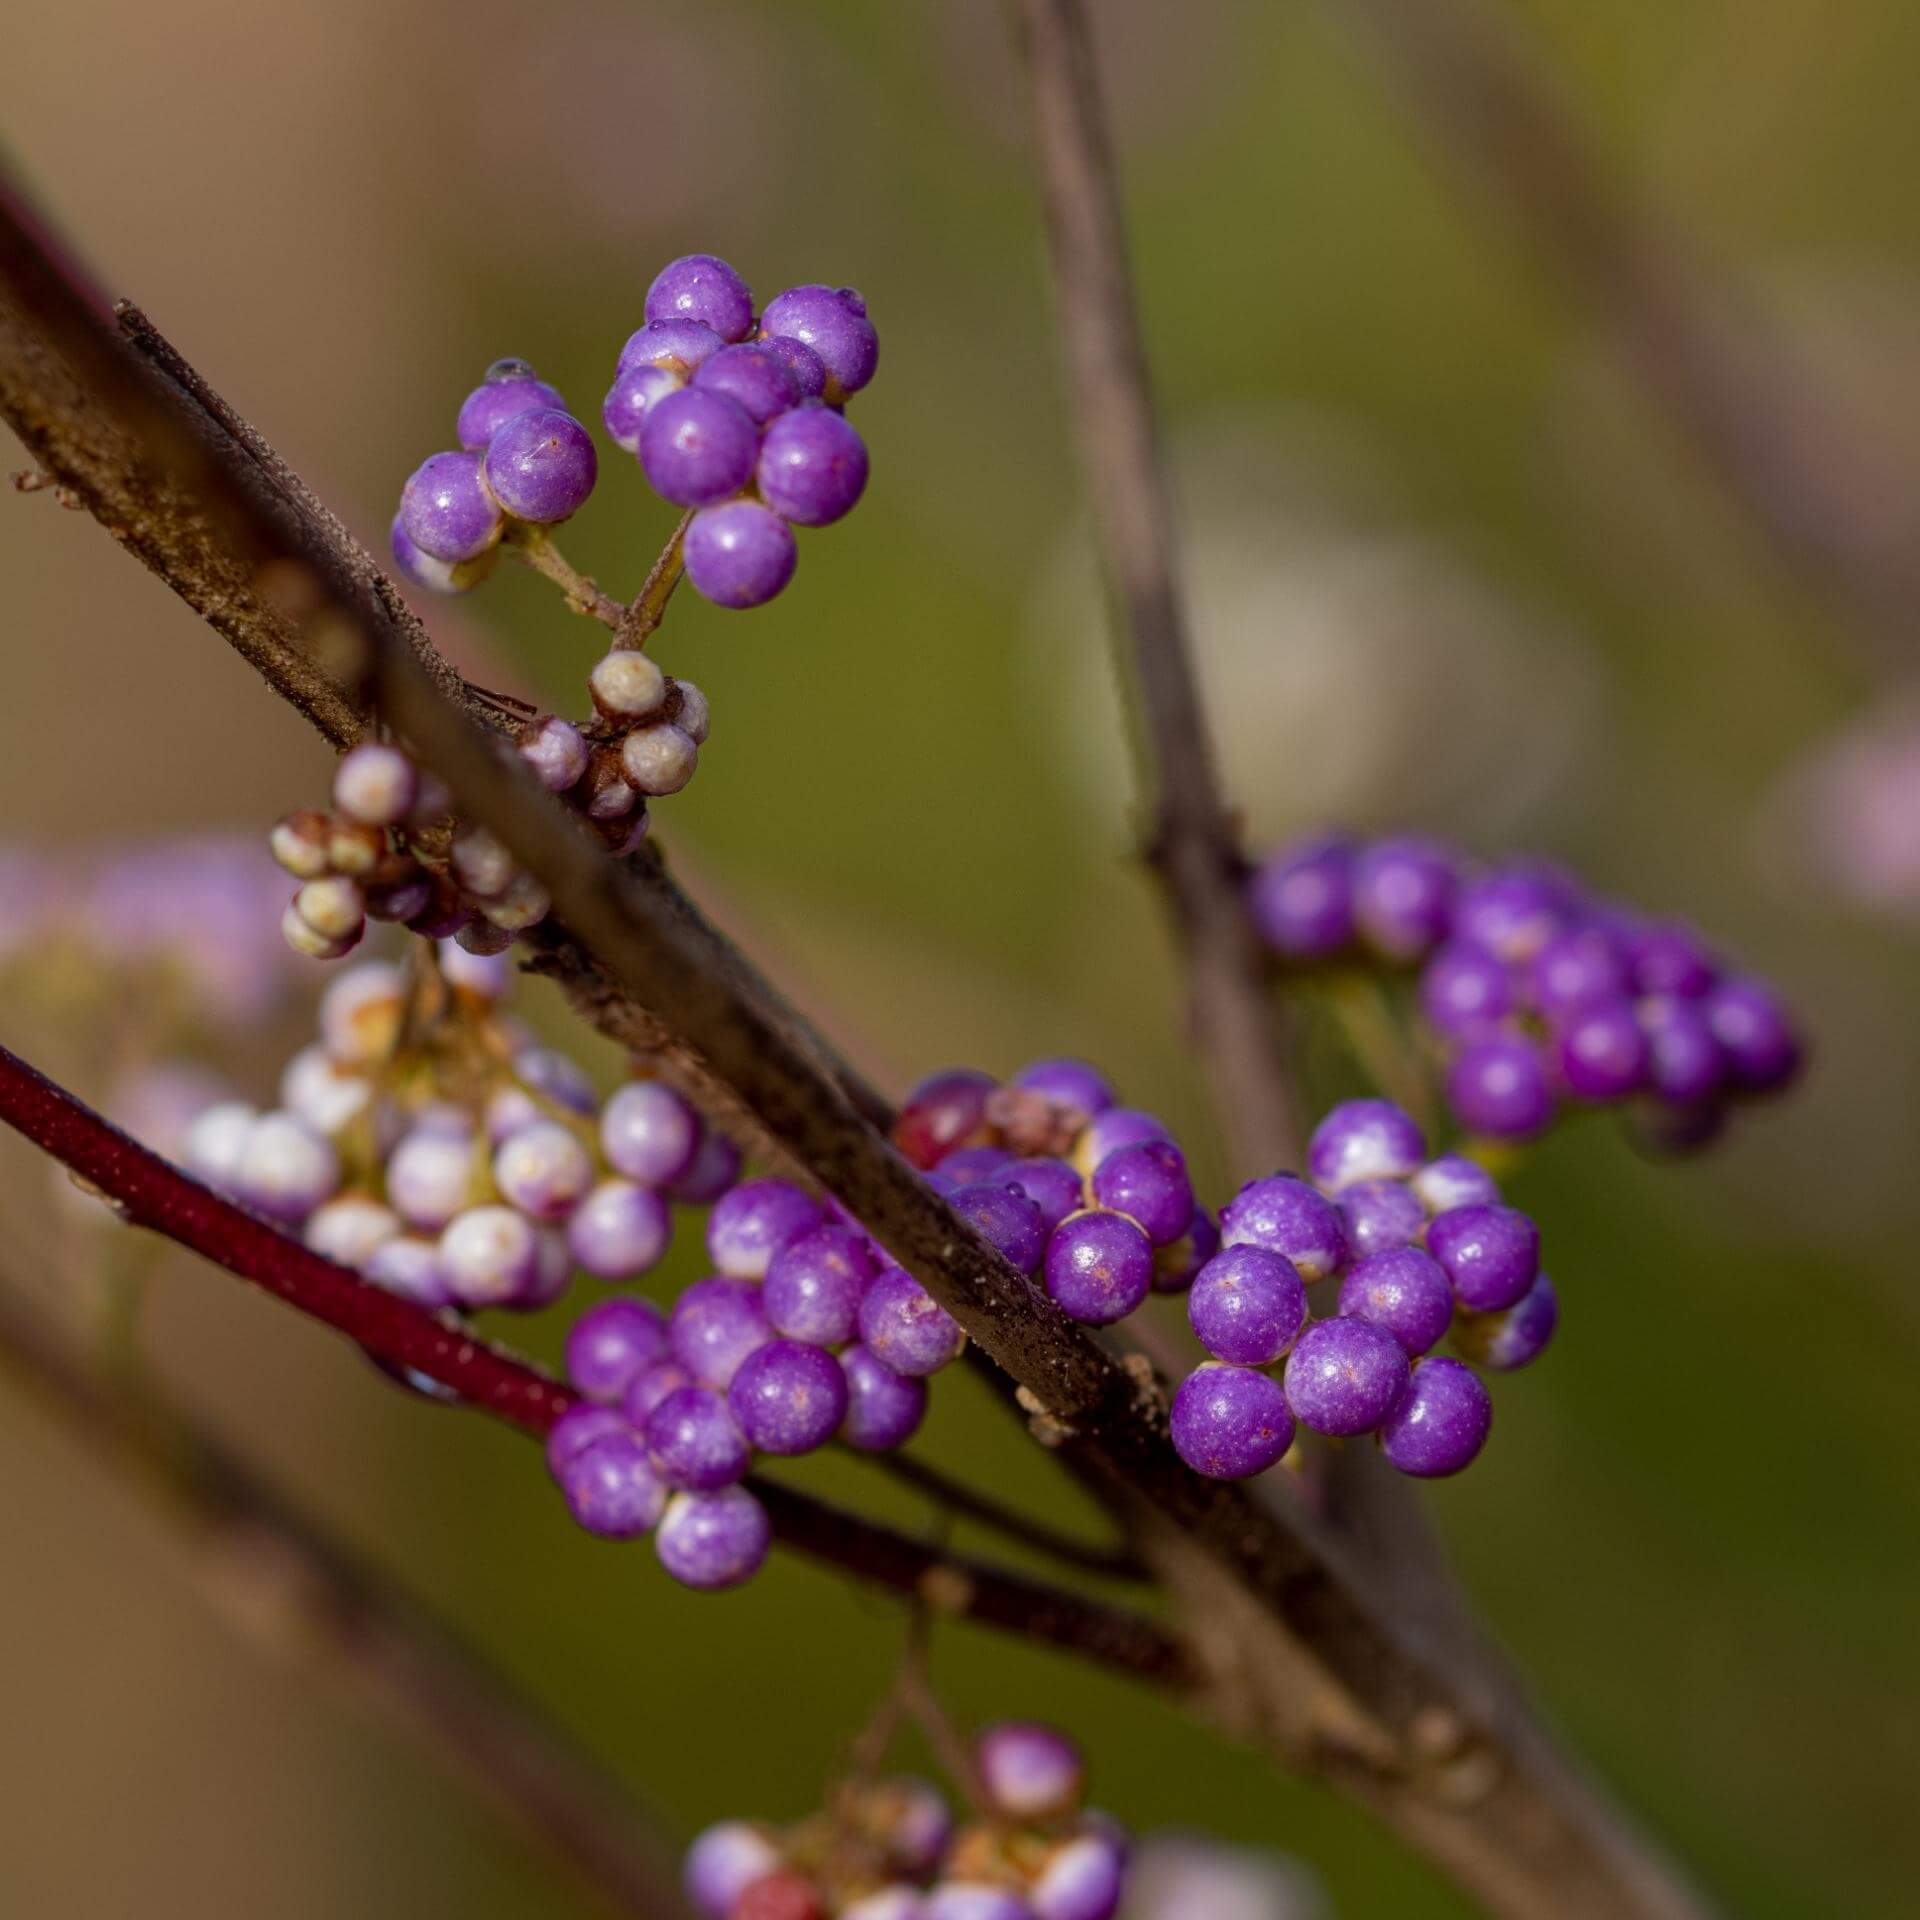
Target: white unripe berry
[[354, 848], [333, 907], [659, 759], [484, 866], [627, 685], [488, 1254], [214, 1140], [285, 1168], [299, 843], [349, 1228], [694, 717], [376, 785], [522, 904], [360, 1014], [323, 1094], [305, 938]]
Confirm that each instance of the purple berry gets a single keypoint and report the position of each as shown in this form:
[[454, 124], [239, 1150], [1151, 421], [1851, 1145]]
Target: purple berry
[[1404, 1290], [541, 466], [1465, 991], [1440, 1423], [697, 448], [1403, 895], [715, 1168], [1287, 1217], [678, 345], [609, 1344], [1301, 898], [648, 1387], [976, 1166], [619, 1231], [611, 1488], [1380, 1214], [1110, 1130], [1177, 1265], [1498, 1088], [1082, 1878], [815, 1283], [1756, 1035], [1504, 1341], [1454, 1181], [1029, 1772], [580, 1426], [1344, 1376], [410, 1267], [833, 322], [1230, 1423], [789, 1397], [1601, 1052], [634, 391], [884, 1408], [1053, 1186], [1575, 969], [1247, 1306], [438, 576], [1515, 911], [649, 1133], [740, 554], [1364, 1140], [508, 387], [1490, 1254], [808, 369], [972, 1900], [813, 465], [724, 1862], [1068, 1083], [1685, 1066], [754, 378], [749, 1225], [702, 287], [1099, 1267], [1008, 1221], [696, 1443], [905, 1327], [1669, 957], [712, 1541], [446, 511], [715, 1324], [1148, 1183], [557, 753]]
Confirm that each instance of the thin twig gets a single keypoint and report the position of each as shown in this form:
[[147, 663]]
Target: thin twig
[[649, 606], [536, 548]]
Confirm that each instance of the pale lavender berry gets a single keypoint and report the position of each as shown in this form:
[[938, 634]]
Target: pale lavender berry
[[350, 1228], [611, 1488], [702, 287], [543, 1169], [808, 369], [541, 466], [897, 1901], [911, 1821], [1403, 895], [579, 1427], [813, 465], [754, 377], [1008, 1221], [884, 1408], [410, 1267], [1301, 898], [1498, 1087], [430, 1176], [1380, 1214], [697, 447], [749, 1225], [715, 1168], [740, 555], [1230, 1423], [1148, 1182], [284, 1169], [1504, 1341], [695, 1442], [1667, 956], [815, 1283], [1490, 1254], [438, 576], [446, 510], [1364, 1140], [1756, 1034], [971, 1166], [1110, 1130], [1247, 1306], [1405, 1290], [1053, 1186], [677, 344], [1177, 1265], [634, 391], [833, 322], [1440, 1423], [552, 1274], [1575, 969], [905, 1328], [508, 387], [619, 1231], [1082, 1878], [724, 1862], [1069, 1083], [1029, 1772], [789, 1397], [1454, 1181], [612, 1343], [1466, 991], [1288, 1217], [1344, 1376], [649, 1133], [973, 1900], [214, 1141], [1600, 1051], [556, 751], [655, 1380], [713, 1540], [1099, 1266], [715, 1324], [1514, 911], [375, 784]]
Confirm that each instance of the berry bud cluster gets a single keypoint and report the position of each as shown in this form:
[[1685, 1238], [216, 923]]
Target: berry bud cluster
[[1533, 993], [889, 1849]]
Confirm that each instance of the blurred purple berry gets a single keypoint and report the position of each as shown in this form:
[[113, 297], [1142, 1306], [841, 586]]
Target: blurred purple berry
[[712, 1541], [1465, 990], [715, 1168], [715, 1324], [1301, 898], [1364, 1140], [1574, 970], [1684, 1063], [1505, 1341], [1029, 1772], [749, 1225], [1498, 1088], [695, 1441], [580, 1426], [611, 1488], [1514, 911], [1756, 1034], [724, 1862], [649, 1133], [619, 1231], [1403, 895], [609, 1344], [1176, 1265], [1600, 1051], [1669, 957]]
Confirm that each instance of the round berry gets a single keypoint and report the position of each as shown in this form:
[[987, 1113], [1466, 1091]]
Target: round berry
[[1380, 1214], [1756, 1035], [833, 322], [973, 1900], [446, 510], [507, 388], [1110, 1130], [713, 1540], [789, 1397], [556, 751], [702, 287], [813, 465], [945, 1111], [1082, 1878], [1498, 1088], [543, 1169], [658, 760], [1029, 1772], [375, 784], [1440, 1423], [1287, 1217], [619, 1231], [635, 390], [1514, 911], [410, 1267], [1685, 1066], [1669, 957], [1601, 1052], [1490, 1254], [1099, 1266], [715, 1324], [489, 1255], [1575, 969], [695, 1441], [284, 1169], [976, 1166], [1247, 1306], [1301, 899], [1008, 1221], [350, 1228], [1230, 1423], [884, 1408], [541, 466], [438, 576], [580, 1426], [649, 1133], [715, 1168], [749, 1225], [1344, 1376], [1053, 1186], [1148, 1183], [627, 685], [740, 555], [815, 1283], [1505, 1341], [724, 1862], [698, 448], [1403, 895], [612, 1343], [1068, 1083], [1454, 1181], [1177, 1265], [1405, 1290], [1364, 1140], [808, 369], [1466, 991], [905, 1327], [679, 345], [611, 1488], [754, 377]]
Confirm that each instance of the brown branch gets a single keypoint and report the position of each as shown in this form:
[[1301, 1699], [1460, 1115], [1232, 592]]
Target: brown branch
[[283, 1569]]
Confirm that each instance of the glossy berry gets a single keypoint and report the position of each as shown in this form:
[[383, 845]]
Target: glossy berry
[[611, 1488], [713, 1541], [611, 1343], [752, 376], [1454, 1181], [813, 465], [715, 1168], [635, 390], [1601, 1052], [581, 1425], [1230, 1423], [543, 1169], [697, 448], [976, 1166], [1685, 1065], [815, 1283], [905, 1328], [509, 387], [1110, 1130], [1505, 1341], [833, 322], [1008, 1221], [1070, 1083], [1029, 1772], [649, 1133], [1498, 1088], [438, 576], [715, 1324], [1514, 911], [749, 1225], [1053, 1186], [409, 1267], [884, 1408], [489, 1255], [446, 510], [808, 369], [1148, 1183], [1466, 991], [1404, 1290], [740, 554], [653, 1383], [1344, 1376], [789, 1397], [1364, 1140], [695, 1442], [1099, 1266], [1247, 1306], [1756, 1035], [375, 784], [541, 466], [1440, 1423], [1302, 899], [1082, 1878], [679, 345], [704, 288], [619, 1231], [1402, 891], [1380, 1214], [627, 685], [1490, 1254], [1287, 1217]]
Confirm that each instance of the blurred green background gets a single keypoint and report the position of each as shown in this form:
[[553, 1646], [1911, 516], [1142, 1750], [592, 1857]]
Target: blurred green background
[[1448, 567]]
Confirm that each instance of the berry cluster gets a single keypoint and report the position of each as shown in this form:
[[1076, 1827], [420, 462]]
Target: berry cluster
[[889, 1849], [1533, 992], [740, 419]]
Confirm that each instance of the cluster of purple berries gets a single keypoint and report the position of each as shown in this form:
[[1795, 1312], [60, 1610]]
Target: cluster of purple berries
[[741, 418], [1422, 1248], [891, 1850], [1532, 991]]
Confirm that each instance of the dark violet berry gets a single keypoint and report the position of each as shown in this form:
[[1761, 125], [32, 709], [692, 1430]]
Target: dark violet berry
[[1301, 899], [905, 1327], [509, 387], [1600, 1051], [1515, 911], [813, 465], [1756, 1035], [1029, 1772], [815, 1283], [697, 448], [610, 1343], [1575, 969], [789, 1397], [695, 1441], [1006, 1220], [1381, 1214], [1148, 1183], [749, 1225], [581, 1425], [715, 1324], [713, 1540], [740, 554], [680, 345], [756, 379], [651, 1385], [945, 1111], [611, 1488], [702, 287], [1068, 1083], [884, 1408], [1465, 990], [1177, 1265], [1099, 1267], [634, 390], [971, 1166], [1112, 1129], [1287, 1217], [1404, 1290], [808, 369], [1685, 1066], [1364, 1140], [1454, 1181], [541, 466], [1230, 1423], [1440, 1423], [1344, 1376], [649, 1133], [1669, 957], [1053, 1186], [716, 1166], [1247, 1306], [1403, 895], [619, 1231], [1504, 1341], [1498, 1087], [833, 322], [1491, 1255], [446, 511]]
